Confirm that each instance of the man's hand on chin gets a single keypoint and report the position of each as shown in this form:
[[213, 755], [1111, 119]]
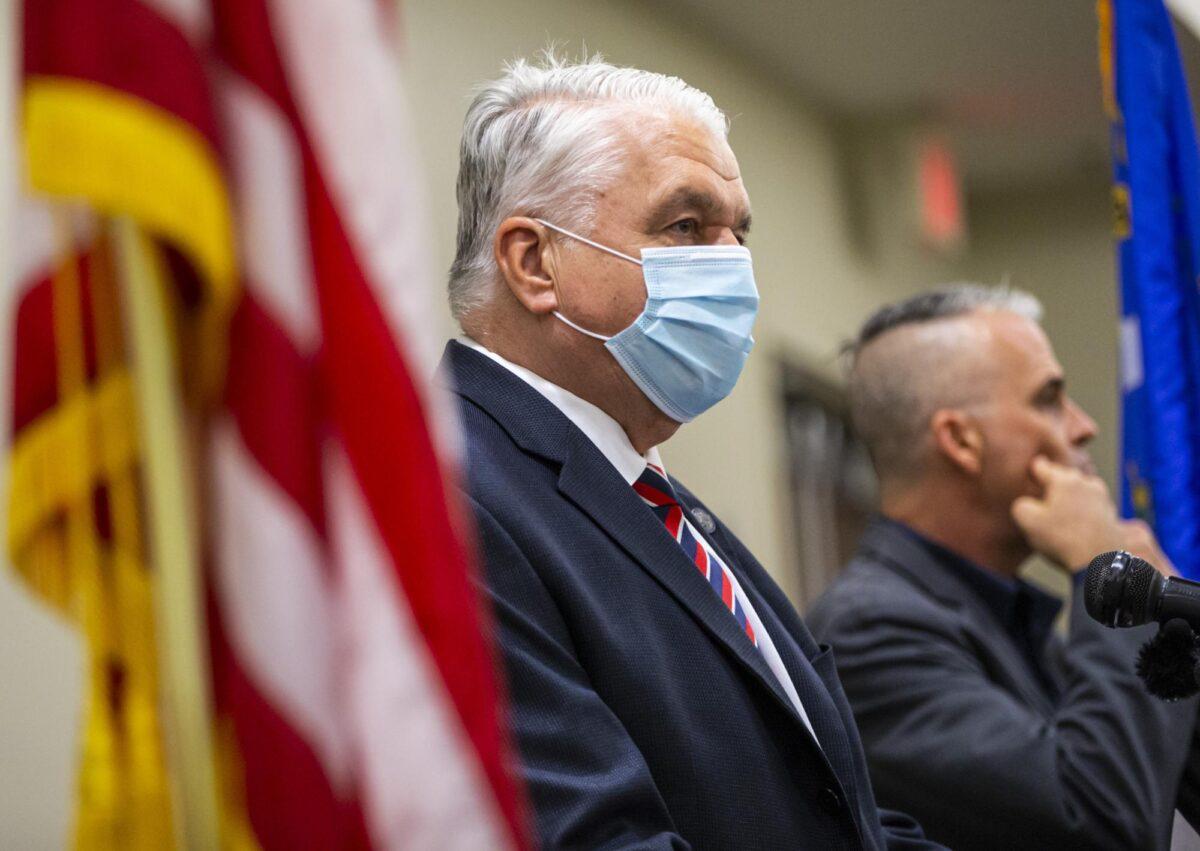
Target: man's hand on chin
[[1140, 541], [1073, 520]]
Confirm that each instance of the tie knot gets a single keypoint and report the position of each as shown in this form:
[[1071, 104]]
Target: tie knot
[[652, 486]]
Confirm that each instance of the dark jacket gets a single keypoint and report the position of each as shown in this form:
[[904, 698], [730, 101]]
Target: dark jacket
[[643, 716], [961, 733]]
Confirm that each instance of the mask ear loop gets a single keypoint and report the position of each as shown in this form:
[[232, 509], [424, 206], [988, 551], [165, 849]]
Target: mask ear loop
[[558, 314], [581, 329], [587, 241]]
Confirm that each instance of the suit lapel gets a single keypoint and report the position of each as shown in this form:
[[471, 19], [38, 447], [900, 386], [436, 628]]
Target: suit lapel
[[589, 481], [810, 688], [615, 508], [905, 556]]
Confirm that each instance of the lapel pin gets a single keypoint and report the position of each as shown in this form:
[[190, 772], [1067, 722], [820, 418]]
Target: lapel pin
[[704, 519]]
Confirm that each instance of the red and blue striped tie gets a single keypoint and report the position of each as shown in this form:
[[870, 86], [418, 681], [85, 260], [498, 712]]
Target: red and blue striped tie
[[656, 491]]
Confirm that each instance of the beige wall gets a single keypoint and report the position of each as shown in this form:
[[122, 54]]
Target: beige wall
[[1057, 244]]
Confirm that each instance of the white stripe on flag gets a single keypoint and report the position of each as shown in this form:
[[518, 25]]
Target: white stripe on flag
[[277, 601], [346, 83], [268, 180], [36, 247], [421, 783]]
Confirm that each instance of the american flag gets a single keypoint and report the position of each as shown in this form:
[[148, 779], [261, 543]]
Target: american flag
[[259, 151]]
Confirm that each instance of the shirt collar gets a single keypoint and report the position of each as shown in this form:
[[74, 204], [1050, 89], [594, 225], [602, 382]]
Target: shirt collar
[[601, 429], [1026, 611]]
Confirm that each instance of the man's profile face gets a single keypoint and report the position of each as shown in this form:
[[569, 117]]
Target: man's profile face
[[680, 186], [1028, 412]]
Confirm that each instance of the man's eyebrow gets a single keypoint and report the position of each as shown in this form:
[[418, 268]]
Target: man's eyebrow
[[1051, 387], [689, 199]]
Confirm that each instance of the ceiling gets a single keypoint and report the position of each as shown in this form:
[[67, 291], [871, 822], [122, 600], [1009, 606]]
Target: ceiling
[[1013, 83]]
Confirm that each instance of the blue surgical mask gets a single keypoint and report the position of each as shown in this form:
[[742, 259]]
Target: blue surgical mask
[[687, 348]]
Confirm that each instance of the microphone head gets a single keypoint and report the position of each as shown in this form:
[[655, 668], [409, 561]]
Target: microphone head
[[1094, 585], [1139, 577], [1117, 589]]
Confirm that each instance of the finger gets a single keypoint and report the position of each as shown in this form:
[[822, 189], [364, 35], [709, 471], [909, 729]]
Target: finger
[[1096, 482], [1043, 469], [1138, 525], [1135, 530], [1025, 510], [1137, 536]]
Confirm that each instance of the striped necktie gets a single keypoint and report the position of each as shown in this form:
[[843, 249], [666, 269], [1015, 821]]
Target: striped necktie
[[657, 492]]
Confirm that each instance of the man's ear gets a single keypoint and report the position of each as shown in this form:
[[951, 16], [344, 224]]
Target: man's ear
[[958, 438], [526, 259]]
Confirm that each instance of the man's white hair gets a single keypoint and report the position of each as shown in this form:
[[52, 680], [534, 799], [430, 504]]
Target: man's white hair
[[544, 140]]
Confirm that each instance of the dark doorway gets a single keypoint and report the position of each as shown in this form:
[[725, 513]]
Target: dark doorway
[[833, 487]]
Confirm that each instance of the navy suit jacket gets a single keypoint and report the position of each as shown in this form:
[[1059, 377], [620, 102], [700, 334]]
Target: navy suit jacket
[[643, 715]]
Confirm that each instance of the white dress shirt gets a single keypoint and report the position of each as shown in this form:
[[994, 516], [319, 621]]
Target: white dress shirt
[[613, 443]]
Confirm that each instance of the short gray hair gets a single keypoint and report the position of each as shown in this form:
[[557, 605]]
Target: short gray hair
[[542, 141], [896, 385]]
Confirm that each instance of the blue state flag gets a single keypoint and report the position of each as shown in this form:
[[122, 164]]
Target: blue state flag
[[1156, 200]]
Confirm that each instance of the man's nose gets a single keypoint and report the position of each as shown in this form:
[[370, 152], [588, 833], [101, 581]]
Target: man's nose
[[1082, 427]]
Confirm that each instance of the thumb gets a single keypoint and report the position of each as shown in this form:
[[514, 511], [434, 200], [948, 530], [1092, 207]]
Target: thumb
[[1026, 510], [1042, 470]]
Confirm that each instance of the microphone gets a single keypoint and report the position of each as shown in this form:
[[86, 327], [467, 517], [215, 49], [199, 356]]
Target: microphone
[[1123, 590]]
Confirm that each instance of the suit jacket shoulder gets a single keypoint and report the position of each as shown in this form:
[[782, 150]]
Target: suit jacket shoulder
[[868, 591]]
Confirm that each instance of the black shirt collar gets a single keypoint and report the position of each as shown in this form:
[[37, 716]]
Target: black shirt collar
[[1026, 612]]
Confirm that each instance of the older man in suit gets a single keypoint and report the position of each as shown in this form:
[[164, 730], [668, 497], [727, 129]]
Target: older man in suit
[[975, 716], [663, 692]]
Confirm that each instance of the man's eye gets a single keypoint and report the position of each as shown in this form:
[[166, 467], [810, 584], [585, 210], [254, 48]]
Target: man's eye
[[685, 227]]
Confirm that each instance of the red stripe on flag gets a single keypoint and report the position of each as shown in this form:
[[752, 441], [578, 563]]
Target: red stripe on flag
[[35, 356], [289, 801], [243, 38], [379, 416], [380, 419], [273, 394], [125, 45]]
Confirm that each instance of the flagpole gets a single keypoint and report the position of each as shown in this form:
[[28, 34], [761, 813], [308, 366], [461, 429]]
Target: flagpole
[[173, 541]]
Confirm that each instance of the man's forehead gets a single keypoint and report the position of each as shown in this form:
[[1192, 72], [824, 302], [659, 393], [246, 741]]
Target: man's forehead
[[1016, 332], [668, 151], [1021, 347], [979, 340], [690, 196], [691, 141], [678, 167]]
